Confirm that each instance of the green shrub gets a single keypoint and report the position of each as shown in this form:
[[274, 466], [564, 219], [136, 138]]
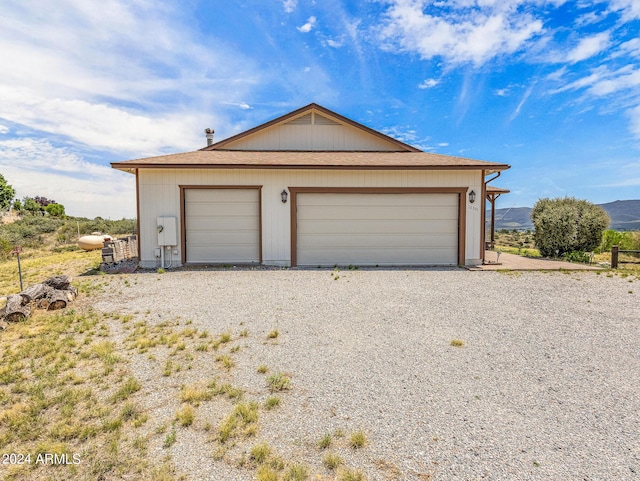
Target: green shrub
[[567, 224], [31, 230], [624, 240], [55, 210], [577, 256]]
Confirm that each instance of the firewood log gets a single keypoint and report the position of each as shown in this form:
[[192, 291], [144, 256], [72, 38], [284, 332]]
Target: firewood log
[[35, 292], [57, 300], [15, 310], [58, 282]]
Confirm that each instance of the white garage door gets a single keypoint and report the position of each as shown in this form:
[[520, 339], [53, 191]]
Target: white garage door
[[377, 229], [222, 225]]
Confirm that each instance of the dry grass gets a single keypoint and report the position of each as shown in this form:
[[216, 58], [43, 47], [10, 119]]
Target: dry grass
[[75, 397], [279, 382], [42, 264], [358, 439], [80, 396]]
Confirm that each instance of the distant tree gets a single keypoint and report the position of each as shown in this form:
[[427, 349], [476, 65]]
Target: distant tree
[[7, 193], [17, 205], [566, 225], [31, 206], [43, 201], [55, 210]]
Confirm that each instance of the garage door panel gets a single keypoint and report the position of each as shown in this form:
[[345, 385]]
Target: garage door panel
[[223, 209], [221, 195], [395, 257], [379, 241], [353, 227], [220, 238], [223, 254], [222, 225], [382, 212], [377, 229], [375, 199]]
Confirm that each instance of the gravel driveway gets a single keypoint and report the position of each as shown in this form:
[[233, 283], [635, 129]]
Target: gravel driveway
[[546, 385]]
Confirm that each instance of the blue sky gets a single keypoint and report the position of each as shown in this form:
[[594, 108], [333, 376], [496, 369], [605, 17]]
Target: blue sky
[[550, 87]]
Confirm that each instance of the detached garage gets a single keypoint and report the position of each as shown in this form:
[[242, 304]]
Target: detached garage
[[312, 188]]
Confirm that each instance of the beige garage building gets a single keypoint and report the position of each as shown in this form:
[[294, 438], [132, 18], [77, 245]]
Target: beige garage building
[[311, 188]]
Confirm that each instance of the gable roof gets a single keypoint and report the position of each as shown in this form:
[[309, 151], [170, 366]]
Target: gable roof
[[222, 155], [227, 144]]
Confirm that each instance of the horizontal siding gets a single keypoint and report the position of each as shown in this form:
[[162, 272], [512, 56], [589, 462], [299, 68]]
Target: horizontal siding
[[313, 137], [160, 196]]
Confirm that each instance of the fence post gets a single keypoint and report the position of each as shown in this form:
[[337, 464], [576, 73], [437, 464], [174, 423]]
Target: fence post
[[614, 257]]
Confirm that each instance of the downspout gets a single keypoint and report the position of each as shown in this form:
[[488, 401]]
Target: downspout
[[494, 178], [138, 214]]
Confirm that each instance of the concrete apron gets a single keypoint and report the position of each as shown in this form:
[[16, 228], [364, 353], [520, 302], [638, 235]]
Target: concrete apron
[[512, 262]]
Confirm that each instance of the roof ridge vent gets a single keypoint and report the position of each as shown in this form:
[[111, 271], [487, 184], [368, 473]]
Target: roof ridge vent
[[322, 120], [302, 120]]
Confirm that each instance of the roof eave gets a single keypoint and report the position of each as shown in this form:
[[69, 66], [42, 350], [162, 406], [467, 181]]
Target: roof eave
[[127, 167]]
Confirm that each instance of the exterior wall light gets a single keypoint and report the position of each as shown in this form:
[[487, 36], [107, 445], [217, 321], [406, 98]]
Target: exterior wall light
[[283, 196], [472, 197]]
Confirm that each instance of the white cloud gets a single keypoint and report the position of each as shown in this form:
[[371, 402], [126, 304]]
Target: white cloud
[[589, 18], [634, 115], [557, 74], [523, 100], [602, 81], [589, 47], [632, 47], [459, 31], [4, 129], [306, 28], [35, 167], [404, 134], [335, 43], [428, 83], [241, 105], [138, 79], [630, 9], [289, 5], [101, 125], [501, 92], [622, 79]]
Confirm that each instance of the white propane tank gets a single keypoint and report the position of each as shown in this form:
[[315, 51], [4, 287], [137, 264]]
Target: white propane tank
[[93, 241]]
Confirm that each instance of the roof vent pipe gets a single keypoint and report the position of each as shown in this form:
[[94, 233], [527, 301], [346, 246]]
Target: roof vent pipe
[[209, 133]]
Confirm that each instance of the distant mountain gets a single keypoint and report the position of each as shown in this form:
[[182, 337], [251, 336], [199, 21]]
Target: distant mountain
[[625, 215]]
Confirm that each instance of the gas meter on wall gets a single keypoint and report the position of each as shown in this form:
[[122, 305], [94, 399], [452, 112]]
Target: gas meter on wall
[[167, 232]]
